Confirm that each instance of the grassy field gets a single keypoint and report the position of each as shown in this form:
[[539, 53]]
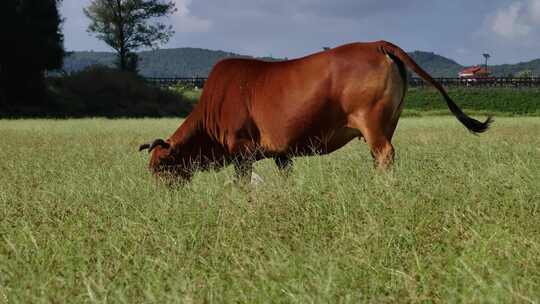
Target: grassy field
[[456, 220]]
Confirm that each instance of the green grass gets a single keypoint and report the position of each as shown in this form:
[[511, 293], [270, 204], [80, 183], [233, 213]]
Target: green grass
[[477, 101], [188, 93], [456, 220]]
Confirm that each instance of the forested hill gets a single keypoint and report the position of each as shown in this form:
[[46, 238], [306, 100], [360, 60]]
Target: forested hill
[[190, 62], [180, 62], [507, 69], [436, 65]]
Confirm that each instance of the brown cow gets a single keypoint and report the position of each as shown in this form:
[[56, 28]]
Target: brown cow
[[251, 109]]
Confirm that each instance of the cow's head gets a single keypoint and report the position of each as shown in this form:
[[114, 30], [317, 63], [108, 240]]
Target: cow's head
[[166, 161]]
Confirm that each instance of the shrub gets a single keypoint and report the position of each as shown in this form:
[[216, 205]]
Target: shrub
[[106, 92], [102, 91]]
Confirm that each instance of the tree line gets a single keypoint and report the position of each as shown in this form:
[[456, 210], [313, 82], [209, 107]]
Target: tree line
[[33, 42]]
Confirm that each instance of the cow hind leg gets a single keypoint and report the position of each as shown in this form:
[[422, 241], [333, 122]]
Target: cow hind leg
[[382, 152], [379, 140]]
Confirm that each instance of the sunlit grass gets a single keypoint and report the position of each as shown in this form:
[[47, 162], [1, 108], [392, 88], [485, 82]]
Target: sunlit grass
[[456, 220]]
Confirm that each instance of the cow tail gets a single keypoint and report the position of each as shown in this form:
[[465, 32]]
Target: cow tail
[[471, 124]]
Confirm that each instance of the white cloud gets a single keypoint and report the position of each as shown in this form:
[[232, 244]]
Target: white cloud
[[534, 9], [510, 22], [185, 22], [520, 19]]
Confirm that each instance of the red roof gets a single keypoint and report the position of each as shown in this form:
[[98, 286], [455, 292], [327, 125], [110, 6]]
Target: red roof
[[474, 70]]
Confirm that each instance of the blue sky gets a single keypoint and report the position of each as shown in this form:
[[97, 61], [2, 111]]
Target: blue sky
[[459, 29]]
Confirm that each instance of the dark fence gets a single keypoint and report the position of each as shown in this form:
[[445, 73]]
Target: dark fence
[[480, 82], [172, 81], [413, 82]]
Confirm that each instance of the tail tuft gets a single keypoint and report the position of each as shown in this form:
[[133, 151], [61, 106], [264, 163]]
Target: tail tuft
[[476, 126], [473, 125]]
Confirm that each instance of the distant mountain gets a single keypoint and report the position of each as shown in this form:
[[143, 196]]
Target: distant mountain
[[181, 62], [191, 62], [436, 65], [513, 69], [77, 61], [439, 66]]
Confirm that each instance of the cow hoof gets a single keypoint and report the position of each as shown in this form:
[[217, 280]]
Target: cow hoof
[[256, 179]]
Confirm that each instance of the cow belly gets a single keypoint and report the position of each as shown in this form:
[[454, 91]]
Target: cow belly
[[325, 143]]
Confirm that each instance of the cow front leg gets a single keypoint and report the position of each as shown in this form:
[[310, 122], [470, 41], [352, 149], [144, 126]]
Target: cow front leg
[[244, 173], [245, 151], [284, 164], [243, 170]]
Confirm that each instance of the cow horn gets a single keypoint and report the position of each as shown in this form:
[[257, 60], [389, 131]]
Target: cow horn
[[144, 147], [157, 142]]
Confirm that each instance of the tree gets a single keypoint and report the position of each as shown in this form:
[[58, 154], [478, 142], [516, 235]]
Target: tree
[[32, 42], [486, 57], [525, 74], [127, 25]]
